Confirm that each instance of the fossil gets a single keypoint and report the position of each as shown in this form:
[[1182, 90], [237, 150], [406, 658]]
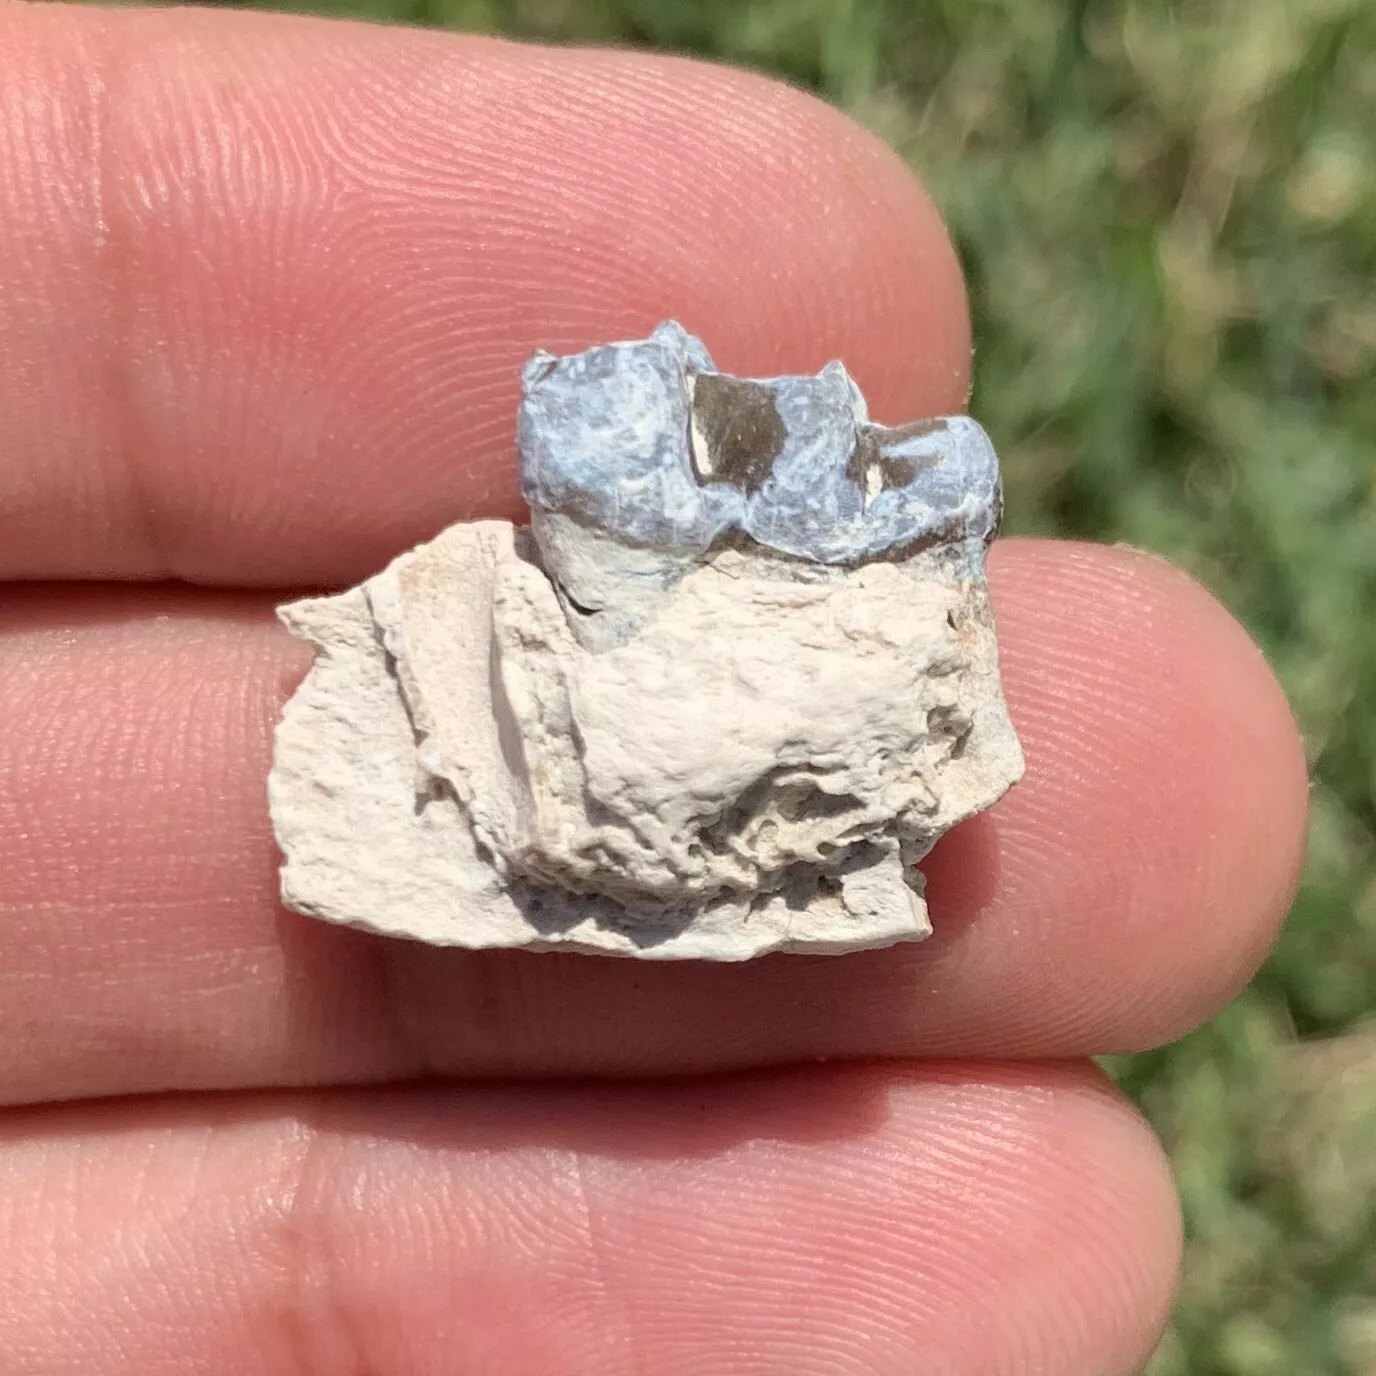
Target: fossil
[[719, 698]]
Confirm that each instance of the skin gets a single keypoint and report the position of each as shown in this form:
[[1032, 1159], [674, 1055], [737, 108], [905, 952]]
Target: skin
[[266, 285]]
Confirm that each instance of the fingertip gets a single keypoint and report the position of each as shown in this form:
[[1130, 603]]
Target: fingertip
[[1121, 1185], [1153, 722], [769, 222], [888, 1220], [846, 255]]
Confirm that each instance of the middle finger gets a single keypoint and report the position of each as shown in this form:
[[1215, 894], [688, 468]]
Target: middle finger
[[1118, 895]]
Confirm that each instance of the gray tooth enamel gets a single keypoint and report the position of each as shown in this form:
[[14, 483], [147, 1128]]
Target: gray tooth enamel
[[646, 445], [603, 438], [809, 507]]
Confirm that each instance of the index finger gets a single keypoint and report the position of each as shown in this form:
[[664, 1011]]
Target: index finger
[[269, 280]]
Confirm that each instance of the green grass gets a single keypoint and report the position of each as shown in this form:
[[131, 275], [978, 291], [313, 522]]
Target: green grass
[[1167, 212]]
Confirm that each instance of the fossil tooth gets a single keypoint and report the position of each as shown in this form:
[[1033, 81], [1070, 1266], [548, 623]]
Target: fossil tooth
[[719, 698]]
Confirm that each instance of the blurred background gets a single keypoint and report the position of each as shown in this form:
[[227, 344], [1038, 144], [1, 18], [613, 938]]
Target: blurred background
[[1167, 214]]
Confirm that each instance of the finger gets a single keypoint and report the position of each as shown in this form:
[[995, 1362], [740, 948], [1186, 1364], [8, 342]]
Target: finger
[[268, 281], [1018, 1221], [1117, 896]]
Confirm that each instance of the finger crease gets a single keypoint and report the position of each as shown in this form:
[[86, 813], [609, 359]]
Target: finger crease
[[113, 238], [597, 1253], [320, 1332]]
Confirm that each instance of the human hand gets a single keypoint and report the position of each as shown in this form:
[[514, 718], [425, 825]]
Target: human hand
[[265, 287]]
